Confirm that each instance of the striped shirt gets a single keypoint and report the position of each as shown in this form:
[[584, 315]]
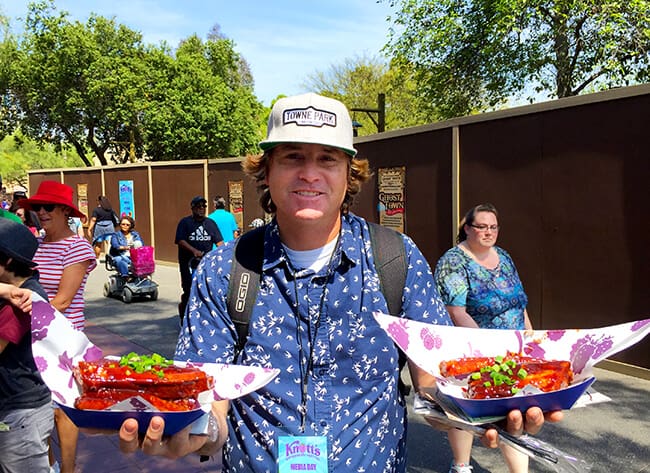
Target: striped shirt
[[52, 258]]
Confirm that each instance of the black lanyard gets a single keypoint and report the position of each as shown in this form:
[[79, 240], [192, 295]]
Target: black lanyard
[[305, 371]]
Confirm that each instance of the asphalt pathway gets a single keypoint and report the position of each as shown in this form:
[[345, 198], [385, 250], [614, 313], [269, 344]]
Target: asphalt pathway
[[613, 436]]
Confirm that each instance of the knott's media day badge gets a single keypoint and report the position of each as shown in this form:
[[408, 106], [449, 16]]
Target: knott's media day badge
[[302, 454]]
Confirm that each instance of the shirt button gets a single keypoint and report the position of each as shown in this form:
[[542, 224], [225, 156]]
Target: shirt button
[[323, 423]]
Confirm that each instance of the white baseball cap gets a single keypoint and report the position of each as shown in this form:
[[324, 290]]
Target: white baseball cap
[[310, 118]]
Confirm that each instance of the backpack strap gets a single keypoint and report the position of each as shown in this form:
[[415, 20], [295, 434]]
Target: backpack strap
[[390, 262], [244, 281]]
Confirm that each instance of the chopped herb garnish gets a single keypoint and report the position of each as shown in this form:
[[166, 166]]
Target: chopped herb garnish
[[500, 372], [142, 363]]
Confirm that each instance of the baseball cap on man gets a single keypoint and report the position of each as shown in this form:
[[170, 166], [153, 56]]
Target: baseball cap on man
[[310, 118], [198, 200]]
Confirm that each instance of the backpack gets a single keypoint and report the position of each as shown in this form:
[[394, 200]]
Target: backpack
[[390, 262]]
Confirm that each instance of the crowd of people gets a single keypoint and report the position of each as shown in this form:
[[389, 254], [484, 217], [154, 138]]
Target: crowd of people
[[337, 387]]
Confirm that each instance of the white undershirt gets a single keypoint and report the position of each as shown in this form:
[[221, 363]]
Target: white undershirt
[[315, 259]]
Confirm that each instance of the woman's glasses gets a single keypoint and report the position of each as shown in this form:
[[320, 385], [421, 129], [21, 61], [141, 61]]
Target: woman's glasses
[[46, 207], [484, 228]]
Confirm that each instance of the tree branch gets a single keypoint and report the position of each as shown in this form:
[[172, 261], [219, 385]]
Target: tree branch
[[77, 146]]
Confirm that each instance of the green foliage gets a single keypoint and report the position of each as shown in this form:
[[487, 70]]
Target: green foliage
[[198, 106], [470, 55], [98, 88], [19, 154], [358, 82]]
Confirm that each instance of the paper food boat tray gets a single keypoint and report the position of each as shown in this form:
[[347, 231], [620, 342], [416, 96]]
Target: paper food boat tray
[[112, 420], [58, 348], [427, 345], [549, 401]]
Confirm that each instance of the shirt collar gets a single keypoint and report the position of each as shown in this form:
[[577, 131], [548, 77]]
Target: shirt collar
[[274, 255]]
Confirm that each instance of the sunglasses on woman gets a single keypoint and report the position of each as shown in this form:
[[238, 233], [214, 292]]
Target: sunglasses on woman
[[46, 207]]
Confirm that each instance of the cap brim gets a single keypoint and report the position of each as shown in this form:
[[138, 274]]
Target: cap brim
[[18, 258], [267, 145]]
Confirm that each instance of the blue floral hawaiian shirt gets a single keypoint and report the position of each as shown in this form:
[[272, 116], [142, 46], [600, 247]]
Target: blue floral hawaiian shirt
[[351, 391], [495, 298]]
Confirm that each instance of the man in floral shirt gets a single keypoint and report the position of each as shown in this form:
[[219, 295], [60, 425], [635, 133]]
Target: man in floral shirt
[[337, 392]]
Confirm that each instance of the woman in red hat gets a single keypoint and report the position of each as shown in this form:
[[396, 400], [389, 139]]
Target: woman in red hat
[[64, 261]]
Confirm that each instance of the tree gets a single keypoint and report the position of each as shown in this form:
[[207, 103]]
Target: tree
[[198, 104], [77, 84], [97, 87], [473, 54], [243, 75], [19, 154], [357, 83]]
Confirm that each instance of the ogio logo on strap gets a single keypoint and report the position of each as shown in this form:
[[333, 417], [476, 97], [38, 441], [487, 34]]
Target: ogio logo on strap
[[240, 302]]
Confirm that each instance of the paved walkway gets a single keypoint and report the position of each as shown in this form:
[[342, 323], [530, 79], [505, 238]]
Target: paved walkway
[[614, 436]]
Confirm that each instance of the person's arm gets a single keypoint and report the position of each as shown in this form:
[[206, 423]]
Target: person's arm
[[119, 243], [181, 234], [71, 280], [91, 226], [187, 247], [116, 241], [460, 317], [18, 297], [215, 233], [527, 323]]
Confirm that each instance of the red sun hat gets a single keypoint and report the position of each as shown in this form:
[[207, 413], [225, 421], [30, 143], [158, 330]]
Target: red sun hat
[[52, 192]]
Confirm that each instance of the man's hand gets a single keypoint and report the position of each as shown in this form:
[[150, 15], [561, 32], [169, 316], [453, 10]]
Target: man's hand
[[518, 424], [153, 442], [180, 444]]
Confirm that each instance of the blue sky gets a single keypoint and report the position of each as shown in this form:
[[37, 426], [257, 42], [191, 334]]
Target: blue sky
[[284, 41]]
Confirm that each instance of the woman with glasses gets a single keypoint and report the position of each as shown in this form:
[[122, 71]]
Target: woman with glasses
[[122, 242], [479, 284], [64, 261], [103, 223]]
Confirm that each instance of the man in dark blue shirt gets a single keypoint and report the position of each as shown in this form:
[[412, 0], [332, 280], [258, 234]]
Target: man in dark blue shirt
[[195, 236]]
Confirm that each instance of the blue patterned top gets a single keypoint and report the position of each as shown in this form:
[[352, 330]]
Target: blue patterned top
[[352, 395], [495, 298]]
